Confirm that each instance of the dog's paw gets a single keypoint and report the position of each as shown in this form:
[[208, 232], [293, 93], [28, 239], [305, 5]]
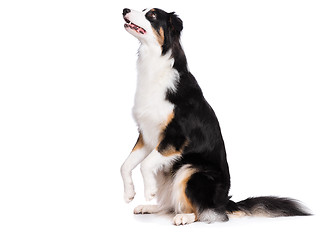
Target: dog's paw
[[129, 196], [146, 209], [150, 193], [185, 218]]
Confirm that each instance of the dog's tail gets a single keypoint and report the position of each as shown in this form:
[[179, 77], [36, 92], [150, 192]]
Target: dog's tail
[[267, 206]]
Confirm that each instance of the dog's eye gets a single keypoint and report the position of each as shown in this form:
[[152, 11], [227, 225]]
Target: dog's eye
[[152, 15]]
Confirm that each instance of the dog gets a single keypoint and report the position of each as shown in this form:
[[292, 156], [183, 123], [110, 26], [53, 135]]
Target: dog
[[180, 145]]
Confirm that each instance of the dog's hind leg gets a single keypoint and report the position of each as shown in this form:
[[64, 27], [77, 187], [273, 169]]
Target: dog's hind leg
[[207, 191], [185, 210]]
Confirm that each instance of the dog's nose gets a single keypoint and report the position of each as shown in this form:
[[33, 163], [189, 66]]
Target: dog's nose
[[125, 11]]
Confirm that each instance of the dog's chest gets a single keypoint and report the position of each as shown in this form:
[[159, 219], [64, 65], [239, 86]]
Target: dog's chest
[[151, 116], [151, 109]]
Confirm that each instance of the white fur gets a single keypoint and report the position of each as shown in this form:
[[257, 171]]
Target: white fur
[[165, 191], [126, 171], [179, 189], [170, 189], [144, 209], [149, 167], [151, 109], [155, 77], [139, 19], [184, 218], [211, 216]]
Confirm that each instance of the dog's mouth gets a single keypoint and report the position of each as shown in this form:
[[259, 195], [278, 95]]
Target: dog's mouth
[[133, 26]]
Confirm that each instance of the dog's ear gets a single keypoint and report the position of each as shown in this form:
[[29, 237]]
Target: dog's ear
[[175, 27], [175, 23]]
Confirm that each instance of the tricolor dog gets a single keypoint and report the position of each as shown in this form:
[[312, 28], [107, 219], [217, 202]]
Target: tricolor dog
[[180, 145]]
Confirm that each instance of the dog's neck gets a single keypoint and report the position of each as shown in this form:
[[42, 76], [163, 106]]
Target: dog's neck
[[152, 66], [151, 51]]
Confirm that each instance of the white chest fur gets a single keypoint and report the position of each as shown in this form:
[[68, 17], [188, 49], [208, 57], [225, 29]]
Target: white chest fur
[[155, 77]]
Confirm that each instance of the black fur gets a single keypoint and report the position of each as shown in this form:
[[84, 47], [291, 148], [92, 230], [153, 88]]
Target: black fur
[[271, 206], [196, 121], [195, 131], [172, 26]]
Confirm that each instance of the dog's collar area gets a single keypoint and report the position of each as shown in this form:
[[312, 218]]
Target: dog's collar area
[[133, 26]]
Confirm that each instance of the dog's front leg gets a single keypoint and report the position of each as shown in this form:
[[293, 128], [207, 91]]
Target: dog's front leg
[[149, 167], [137, 155]]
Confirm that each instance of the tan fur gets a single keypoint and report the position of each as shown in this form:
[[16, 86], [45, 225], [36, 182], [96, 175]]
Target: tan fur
[[187, 206], [169, 119], [237, 214], [159, 36], [180, 183], [139, 144], [170, 150]]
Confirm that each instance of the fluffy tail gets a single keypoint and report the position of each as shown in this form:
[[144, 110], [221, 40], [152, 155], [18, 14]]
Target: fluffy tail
[[267, 206]]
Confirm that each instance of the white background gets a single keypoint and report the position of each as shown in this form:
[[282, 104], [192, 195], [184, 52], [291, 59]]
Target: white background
[[67, 81]]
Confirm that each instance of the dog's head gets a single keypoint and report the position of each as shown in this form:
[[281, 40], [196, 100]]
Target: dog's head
[[154, 26]]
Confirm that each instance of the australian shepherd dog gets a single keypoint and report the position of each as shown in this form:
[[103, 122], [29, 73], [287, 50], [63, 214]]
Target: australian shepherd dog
[[180, 145]]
